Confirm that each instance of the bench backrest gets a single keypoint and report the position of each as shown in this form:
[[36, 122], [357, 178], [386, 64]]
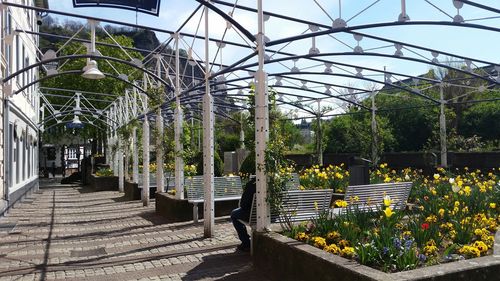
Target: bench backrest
[[371, 196], [297, 205], [223, 187]]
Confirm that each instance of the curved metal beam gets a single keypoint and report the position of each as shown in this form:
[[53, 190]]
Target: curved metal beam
[[74, 72], [228, 18], [374, 25], [65, 122], [360, 78], [71, 112], [6, 79]]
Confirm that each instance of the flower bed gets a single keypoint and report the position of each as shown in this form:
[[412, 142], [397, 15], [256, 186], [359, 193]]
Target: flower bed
[[283, 258], [454, 217]]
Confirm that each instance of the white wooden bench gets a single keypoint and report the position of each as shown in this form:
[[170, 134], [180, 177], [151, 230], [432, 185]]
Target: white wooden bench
[[225, 189], [370, 197], [297, 206]]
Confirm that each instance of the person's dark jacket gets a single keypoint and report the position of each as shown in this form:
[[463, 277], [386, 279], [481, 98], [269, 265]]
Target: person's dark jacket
[[247, 197]]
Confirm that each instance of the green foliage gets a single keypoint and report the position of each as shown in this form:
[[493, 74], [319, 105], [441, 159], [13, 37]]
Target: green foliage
[[218, 164], [352, 133]]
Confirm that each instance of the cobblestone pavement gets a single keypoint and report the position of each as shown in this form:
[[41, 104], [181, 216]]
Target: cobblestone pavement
[[74, 234]]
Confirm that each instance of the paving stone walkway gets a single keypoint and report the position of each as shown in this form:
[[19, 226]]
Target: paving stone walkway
[[70, 233]]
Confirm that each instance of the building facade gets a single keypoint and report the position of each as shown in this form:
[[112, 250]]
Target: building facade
[[19, 103]]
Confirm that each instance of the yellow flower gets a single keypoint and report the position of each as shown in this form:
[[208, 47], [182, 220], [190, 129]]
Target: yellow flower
[[347, 252], [388, 212], [470, 251], [343, 243], [493, 205], [341, 203], [319, 242], [302, 236], [441, 212], [332, 248], [467, 190], [481, 246], [430, 250], [387, 200], [436, 176], [332, 235]]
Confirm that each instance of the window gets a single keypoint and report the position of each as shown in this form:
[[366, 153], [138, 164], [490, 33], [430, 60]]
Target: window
[[7, 59], [23, 64], [8, 22], [10, 164]]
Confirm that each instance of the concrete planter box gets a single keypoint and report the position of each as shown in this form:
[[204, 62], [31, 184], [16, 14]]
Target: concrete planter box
[[133, 192], [103, 183], [283, 258], [178, 210]]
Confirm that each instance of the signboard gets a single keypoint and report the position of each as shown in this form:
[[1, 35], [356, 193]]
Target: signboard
[[151, 7]]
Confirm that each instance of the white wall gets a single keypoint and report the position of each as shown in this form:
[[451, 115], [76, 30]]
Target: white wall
[[21, 134]]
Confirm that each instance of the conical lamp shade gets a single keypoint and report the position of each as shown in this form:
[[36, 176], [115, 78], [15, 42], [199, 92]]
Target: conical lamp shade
[[76, 120], [92, 72]]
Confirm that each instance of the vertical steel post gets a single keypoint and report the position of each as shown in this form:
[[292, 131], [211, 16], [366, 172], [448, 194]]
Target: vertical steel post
[[208, 144], [261, 127], [374, 131], [121, 176], [159, 153], [145, 161], [319, 136], [442, 128], [178, 118], [242, 132], [135, 150]]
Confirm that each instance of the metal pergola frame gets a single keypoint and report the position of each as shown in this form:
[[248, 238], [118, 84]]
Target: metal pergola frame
[[257, 65]]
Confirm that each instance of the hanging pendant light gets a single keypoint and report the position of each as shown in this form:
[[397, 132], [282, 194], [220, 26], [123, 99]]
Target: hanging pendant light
[[91, 71]]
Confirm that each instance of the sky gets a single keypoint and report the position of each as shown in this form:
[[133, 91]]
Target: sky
[[468, 42]]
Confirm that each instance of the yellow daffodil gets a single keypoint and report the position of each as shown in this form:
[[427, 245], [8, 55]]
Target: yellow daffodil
[[493, 205], [441, 212], [388, 212], [467, 190], [387, 200]]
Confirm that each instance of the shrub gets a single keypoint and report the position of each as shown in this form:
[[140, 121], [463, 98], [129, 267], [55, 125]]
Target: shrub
[[248, 166], [218, 164]]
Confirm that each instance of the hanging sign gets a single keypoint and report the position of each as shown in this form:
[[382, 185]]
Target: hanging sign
[[151, 7]]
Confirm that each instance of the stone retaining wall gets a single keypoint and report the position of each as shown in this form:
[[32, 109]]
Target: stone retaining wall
[[133, 192], [178, 210], [103, 183]]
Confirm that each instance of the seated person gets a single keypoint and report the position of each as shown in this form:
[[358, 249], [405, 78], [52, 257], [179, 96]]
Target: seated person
[[243, 213]]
